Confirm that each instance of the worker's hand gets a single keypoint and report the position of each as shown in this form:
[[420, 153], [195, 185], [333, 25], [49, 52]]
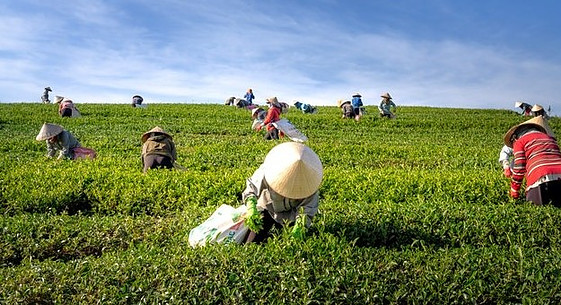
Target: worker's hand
[[253, 218], [514, 194], [507, 172]]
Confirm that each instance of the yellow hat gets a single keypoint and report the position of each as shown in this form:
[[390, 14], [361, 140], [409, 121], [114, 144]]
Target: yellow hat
[[48, 130], [157, 130], [538, 122], [293, 170]]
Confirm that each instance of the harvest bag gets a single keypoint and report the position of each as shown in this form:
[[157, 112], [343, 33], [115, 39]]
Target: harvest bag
[[84, 153], [225, 225], [290, 131]]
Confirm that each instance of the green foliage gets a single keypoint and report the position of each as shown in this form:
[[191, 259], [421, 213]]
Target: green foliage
[[412, 210]]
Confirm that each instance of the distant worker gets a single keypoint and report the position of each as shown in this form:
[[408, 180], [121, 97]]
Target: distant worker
[[249, 97], [258, 115], [64, 142], [506, 161], [230, 101], [526, 108], [137, 101], [537, 159], [66, 107], [356, 103], [347, 109], [240, 103], [283, 191], [305, 108], [386, 105], [506, 154], [538, 110], [273, 115], [45, 96], [158, 149]]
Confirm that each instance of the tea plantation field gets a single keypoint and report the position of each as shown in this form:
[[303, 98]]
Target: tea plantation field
[[412, 211]]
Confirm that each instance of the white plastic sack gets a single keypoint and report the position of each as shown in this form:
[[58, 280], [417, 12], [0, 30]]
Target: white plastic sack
[[290, 131], [225, 225]]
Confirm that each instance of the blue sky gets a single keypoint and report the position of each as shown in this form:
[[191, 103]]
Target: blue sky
[[465, 54]]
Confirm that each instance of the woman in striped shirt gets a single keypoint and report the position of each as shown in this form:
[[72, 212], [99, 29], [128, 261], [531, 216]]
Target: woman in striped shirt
[[536, 158]]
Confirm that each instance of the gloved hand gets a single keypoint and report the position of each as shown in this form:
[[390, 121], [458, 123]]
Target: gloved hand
[[299, 229], [253, 218], [514, 194], [507, 172]]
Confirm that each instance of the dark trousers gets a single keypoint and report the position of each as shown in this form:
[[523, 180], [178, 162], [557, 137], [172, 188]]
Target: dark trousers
[[156, 161], [272, 134], [546, 193]]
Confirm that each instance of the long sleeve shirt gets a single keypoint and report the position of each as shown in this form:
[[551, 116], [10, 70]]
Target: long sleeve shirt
[[64, 144], [159, 145], [249, 97], [347, 110], [385, 108], [273, 115], [505, 155], [280, 208], [356, 102], [536, 157]]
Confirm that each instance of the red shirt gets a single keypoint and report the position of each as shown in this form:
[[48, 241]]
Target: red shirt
[[535, 155], [273, 115]]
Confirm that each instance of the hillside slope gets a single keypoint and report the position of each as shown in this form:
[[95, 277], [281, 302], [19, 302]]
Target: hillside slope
[[412, 210]]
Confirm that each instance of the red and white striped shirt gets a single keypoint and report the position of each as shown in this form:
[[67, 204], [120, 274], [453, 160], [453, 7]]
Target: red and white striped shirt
[[535, 155]]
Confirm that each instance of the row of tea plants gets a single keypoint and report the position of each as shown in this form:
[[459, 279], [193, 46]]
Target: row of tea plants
[[412, 210]]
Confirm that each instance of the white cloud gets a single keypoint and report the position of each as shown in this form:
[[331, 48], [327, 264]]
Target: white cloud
[[184, 51]]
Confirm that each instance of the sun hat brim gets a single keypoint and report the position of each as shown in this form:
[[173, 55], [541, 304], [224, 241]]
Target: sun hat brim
[[293, 170], [539, 122], [157, 130], [48, 131]]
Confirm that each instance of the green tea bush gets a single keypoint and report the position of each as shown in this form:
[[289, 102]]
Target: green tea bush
[[412, 211]]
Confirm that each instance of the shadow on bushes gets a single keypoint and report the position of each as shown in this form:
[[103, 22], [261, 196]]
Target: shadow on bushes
[[389, 234]]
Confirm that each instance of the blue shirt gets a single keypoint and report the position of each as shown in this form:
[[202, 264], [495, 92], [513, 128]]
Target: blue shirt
[[356, 102], [249, 97]]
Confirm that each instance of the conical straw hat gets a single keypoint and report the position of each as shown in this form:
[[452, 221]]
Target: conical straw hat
[[274, 101], [538, 122], [386, 95], [293, 170], [255, 111], [59, 99], [156, 129], [517, 104], [537, 108], [48, 130]]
